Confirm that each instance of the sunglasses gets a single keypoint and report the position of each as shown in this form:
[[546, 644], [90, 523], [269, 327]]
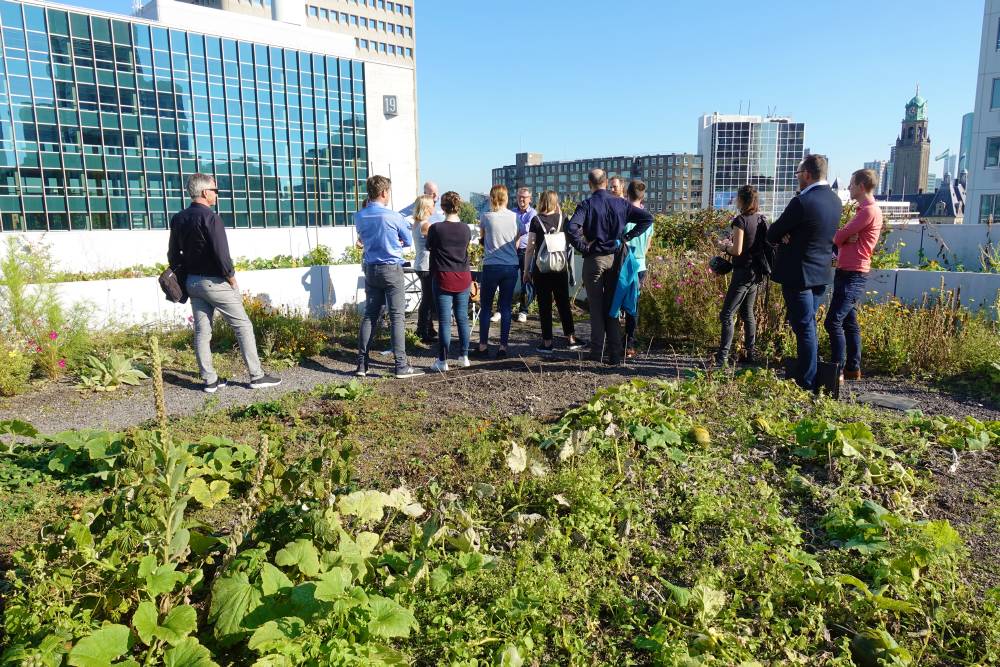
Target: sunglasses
[[215, 190]]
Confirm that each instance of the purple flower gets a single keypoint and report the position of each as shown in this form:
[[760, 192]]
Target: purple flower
[[679, 299], [62, 363], [53, 335]]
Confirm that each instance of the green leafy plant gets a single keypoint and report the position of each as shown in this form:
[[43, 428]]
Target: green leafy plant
[[110, 374]]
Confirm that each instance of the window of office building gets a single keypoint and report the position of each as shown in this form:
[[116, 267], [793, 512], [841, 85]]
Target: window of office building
[[993, 152], [113, 115]]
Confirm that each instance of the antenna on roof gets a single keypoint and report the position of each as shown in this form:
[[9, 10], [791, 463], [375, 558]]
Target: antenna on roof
[[137, 7]]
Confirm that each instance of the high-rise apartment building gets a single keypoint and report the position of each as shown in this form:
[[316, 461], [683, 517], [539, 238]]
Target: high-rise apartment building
[[965, 145], [880, 167], [984, 157], [913, 150], [103, 116], [759, 151], [381, 30], [673, 181]]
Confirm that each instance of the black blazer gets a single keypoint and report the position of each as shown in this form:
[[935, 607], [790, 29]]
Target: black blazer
[[811, 220]]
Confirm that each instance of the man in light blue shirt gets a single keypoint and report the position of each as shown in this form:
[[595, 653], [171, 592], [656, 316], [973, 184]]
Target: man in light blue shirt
[[383, 233], [525, 214]]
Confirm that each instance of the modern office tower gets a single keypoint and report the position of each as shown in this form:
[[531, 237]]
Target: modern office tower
[[913, 150], [381, 30], [760, 151], [984, 157], [880, 167], [103, 117], [965, 145], [673, 181]]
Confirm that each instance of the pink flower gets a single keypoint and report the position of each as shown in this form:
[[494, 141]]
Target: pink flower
[[679, 299], [38, 348], [657, 285], [62, 363], [53, 335]]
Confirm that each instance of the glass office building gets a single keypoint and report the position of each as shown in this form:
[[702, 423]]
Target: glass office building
[[741, 150], [103, 117]]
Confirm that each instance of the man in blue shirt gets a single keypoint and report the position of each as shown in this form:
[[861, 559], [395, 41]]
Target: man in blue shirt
[[383, 233], [430, 190], [525, 214]]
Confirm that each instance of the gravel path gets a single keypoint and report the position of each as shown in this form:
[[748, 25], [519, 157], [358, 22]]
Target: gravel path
[[60, 407]]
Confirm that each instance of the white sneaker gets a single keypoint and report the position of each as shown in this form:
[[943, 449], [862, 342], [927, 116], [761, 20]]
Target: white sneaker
[[386, 353], [440, 365], [522, 317], [464, 362], [495, 318]]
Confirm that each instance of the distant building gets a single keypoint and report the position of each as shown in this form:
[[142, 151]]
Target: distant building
[[881, 168], [673, 180], [984, 156], [480, 202], [945, 205], [754, 150], [913, 150], [965, 146], [933, 182]]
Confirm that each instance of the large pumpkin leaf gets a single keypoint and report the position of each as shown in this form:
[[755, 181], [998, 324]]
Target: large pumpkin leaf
[[100, 648], [233, 597], [389, 619]]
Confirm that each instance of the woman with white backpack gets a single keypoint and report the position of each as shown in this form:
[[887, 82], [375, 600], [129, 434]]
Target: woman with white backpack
[[547, 266]]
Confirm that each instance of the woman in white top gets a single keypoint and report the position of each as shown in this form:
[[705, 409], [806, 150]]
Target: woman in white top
[[499, 235], [423, 208]]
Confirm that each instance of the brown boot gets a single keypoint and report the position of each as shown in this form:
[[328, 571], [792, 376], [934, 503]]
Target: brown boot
[[852, 375]]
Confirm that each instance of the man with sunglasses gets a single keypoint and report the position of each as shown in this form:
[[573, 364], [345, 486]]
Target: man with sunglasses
[[199, 253]]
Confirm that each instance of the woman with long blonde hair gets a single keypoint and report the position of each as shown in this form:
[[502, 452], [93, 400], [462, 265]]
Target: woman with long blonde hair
[[423, 208]]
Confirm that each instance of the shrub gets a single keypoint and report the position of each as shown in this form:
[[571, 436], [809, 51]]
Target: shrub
[[282, 335], [690, 230], [16, 362], [111, 373]]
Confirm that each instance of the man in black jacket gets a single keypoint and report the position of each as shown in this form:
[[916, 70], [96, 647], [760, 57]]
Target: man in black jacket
[[804, 259], [596, 230], [199, 252]]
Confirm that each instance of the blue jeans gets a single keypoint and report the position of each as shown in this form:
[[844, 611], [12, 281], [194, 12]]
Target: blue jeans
[[503, 278], [801, 305], [842, 319], [526, 290], [447, 303], [740, 298]]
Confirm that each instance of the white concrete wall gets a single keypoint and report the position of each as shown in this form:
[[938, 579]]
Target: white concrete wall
[[986, 122], [950, 245], [977, 291], [392, 140], [105, 250]]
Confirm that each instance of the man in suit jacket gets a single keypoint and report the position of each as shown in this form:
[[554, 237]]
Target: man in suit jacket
[[803, 262]]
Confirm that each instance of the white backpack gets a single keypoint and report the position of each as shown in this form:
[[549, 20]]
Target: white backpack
[[551, 256]]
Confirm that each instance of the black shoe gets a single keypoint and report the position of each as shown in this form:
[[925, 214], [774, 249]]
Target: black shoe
[[408, 372], [476, 353], [614, 362], [501, 353], [364, 367], [212, 387], [544, 349], [265, 381], [596, 358]]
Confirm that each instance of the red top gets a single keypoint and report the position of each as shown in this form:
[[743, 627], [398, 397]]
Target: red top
[[867, 224], [454, 281]]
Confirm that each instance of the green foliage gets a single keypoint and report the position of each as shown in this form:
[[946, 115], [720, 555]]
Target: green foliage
[[16, 362], [283, 336], [109, 374], [691, 230], [467, 213]]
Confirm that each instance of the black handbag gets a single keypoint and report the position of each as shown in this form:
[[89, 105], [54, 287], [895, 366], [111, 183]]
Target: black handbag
[[720, 265], [172, 285]]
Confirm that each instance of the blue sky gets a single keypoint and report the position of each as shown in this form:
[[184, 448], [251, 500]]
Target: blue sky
[[585, 78]]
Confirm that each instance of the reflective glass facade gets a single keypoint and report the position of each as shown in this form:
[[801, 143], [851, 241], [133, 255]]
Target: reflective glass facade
[[102, 119], [763, 154]]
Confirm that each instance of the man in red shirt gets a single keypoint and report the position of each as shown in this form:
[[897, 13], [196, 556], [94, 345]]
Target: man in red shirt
[[855, 243]]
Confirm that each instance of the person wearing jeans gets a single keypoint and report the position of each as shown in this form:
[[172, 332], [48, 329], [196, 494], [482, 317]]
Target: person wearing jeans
[[525, 214], [743, 284], [383, 234], [198, 248], [499, 234], [803, 261], [597, 229], [636, 192], [855, 243], [448, 242], [423, 210]]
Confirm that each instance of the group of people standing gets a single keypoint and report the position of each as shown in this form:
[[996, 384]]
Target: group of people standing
[[810, 254]]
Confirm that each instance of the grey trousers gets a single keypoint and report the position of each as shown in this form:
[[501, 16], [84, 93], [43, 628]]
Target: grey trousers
[[208, 295], [384, 285], [600, 290]]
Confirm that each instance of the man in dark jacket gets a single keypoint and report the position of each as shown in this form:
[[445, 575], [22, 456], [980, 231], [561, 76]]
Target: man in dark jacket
[[804, 259], [596, 230], [199, 252]]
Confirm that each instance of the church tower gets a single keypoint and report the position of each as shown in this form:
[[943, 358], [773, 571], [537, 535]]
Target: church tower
[[913, 150]]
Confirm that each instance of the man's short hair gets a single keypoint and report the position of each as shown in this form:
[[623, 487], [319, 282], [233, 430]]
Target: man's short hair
[[597, 178], [376, 186], [636, 189], [197, 184], [866, 178], [524, 189], [815, 166], [451, 201]]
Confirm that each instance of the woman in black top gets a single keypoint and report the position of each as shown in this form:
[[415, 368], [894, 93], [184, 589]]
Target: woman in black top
[[743, 285], [448, 243], [549, 285]]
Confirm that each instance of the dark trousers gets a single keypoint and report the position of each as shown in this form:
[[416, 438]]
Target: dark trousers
[[527, 290], [801, 304], [427, 312], [632, 323], [842, 319], [384, 286], [549, 286], [502, 278], [740, 298], [447, 304], [600, 283]]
